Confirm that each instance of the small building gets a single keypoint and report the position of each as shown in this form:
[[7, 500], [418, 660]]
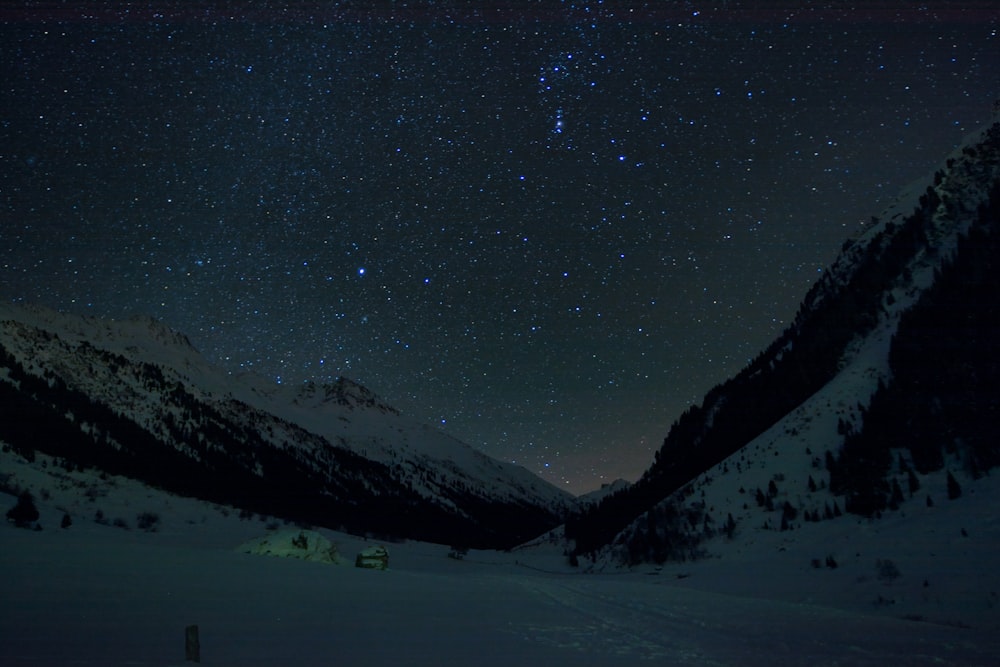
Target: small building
[[373, 558]]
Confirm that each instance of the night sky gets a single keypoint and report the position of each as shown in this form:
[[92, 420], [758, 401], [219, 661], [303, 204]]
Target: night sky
[[545, 227]]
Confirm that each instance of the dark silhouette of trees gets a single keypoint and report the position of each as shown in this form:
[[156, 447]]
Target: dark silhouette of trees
[[954, 489], [944, 396], [24, 514], [945, 363], [804, 358], [221, 452]]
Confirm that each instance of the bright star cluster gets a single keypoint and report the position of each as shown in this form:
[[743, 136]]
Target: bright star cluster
[[545, 227]]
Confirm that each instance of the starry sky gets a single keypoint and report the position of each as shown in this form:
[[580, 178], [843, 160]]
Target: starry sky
[[545, 227]]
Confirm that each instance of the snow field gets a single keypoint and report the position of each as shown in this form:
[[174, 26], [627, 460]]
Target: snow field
[[95, 594]]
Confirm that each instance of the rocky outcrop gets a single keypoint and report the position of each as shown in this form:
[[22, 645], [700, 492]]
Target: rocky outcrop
[[302, 544]]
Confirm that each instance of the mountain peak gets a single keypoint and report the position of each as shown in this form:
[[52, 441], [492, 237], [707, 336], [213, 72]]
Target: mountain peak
[[148, 327], [343, 392], [133, 397], [346, 392]]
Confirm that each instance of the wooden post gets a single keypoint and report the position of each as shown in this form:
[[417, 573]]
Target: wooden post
[[192, 645]]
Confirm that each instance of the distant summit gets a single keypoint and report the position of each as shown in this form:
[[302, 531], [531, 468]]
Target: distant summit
[[342, 392]]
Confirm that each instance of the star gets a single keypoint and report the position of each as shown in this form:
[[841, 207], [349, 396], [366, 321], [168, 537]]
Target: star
[[547, 234]]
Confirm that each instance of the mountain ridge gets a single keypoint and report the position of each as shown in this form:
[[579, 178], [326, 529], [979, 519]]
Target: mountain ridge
[[128, 390], [845, 324]]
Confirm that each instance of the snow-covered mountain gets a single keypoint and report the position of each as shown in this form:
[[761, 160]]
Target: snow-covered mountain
[[758, 479], [136, 398], [882, 395]]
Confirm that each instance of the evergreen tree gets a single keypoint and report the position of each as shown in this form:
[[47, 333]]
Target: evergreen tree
[[914, 483], [730, 526], [24, 513], [897, 495], [954, 490]]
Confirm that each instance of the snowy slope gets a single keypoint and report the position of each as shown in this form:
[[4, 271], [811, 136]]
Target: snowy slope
[[762, 522], [350, 413], [153, 376], [945, 553], [826, 365], [345, 412], [961, 186], [101, 594]]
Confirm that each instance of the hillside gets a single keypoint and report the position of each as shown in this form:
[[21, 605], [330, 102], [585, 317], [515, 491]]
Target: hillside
[[887, 375], [133, 397]]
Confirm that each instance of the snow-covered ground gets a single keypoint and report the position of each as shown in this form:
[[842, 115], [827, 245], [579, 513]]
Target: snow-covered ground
[[96, 594]]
